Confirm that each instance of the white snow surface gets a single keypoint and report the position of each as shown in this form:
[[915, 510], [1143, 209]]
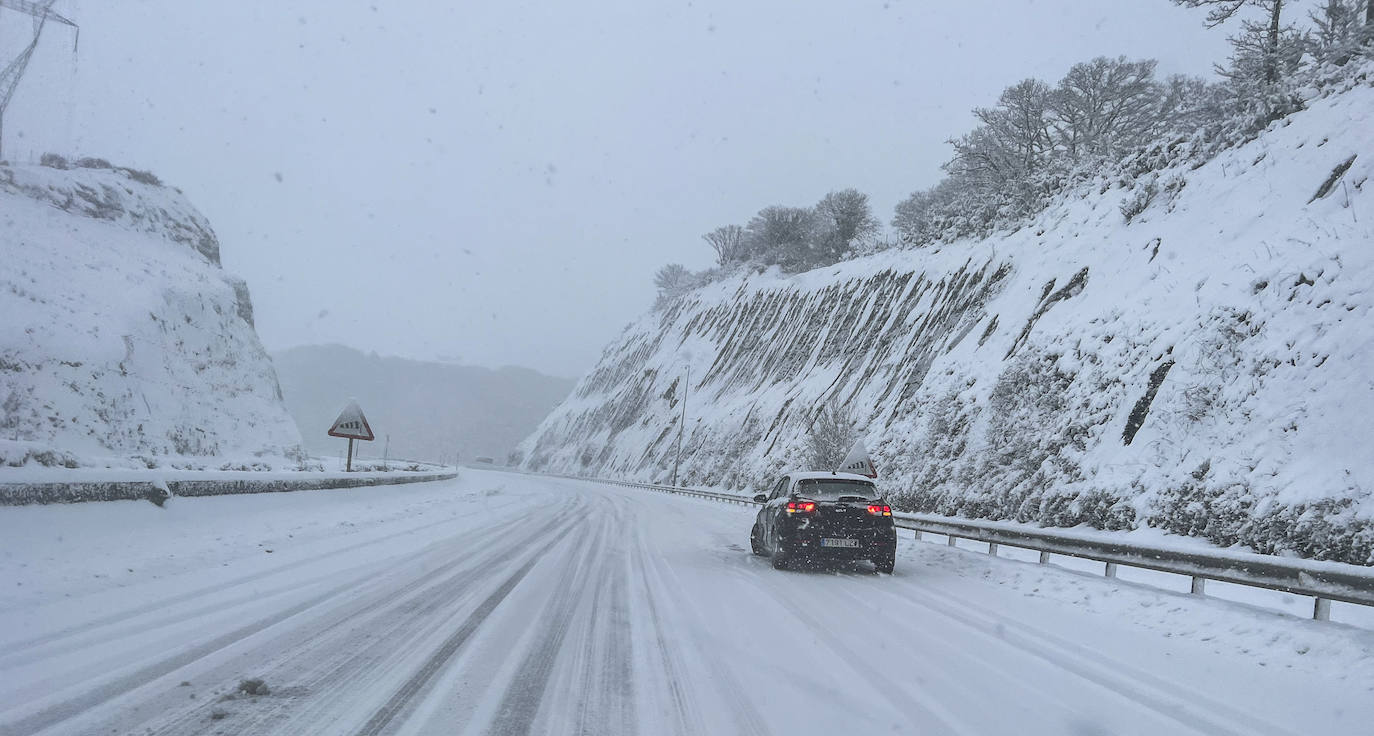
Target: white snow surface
[[995, 378], [123, 343], [504, 603]]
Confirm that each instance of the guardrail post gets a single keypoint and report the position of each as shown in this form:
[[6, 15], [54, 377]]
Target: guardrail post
[[1044, 557], [1199, 585], [1111, 570], [952, 540], [1321, 609], [992, 548], [918, 534]]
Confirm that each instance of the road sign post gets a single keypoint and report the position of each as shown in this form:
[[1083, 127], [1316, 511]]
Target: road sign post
[[352, 425]]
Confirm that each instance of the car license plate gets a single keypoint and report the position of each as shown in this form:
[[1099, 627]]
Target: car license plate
[[850, 543]]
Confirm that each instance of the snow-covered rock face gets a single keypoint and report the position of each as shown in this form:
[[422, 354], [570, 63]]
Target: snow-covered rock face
[[122, 341], [1205, 368]]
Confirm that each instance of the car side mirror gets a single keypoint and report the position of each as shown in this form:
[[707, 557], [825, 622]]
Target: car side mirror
[[761, 498]]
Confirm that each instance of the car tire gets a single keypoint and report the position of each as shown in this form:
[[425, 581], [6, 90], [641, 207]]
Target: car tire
[[781, 559], [885, 563], [755, 543]]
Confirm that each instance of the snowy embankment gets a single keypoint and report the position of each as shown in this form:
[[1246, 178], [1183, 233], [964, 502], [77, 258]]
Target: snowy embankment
[[123, 342], [1201, 369]]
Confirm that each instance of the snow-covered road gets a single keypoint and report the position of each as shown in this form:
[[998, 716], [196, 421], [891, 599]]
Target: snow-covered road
[[512, 604]]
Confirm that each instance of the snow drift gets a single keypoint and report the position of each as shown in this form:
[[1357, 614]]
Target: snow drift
[[123, 343], [1188, 350]]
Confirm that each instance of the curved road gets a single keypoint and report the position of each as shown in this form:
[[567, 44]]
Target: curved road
[[505, 604]]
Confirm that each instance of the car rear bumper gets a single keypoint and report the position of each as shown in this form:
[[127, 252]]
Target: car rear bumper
[[875, 543]]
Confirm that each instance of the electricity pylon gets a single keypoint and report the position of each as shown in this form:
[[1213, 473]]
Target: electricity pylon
[[41, 12]]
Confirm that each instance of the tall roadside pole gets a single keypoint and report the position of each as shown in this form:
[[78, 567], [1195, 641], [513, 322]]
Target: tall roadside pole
[[682, 423]]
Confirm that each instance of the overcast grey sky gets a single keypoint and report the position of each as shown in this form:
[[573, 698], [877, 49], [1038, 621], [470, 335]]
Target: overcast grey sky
[[497, 182]]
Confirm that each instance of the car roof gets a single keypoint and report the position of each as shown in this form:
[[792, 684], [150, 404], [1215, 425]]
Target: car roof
[[797, 475]]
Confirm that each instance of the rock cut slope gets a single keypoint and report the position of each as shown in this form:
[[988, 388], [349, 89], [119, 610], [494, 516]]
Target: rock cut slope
[[1202, 366], [123, 342]]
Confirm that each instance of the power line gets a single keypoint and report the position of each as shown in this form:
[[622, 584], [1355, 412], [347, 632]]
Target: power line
[[41, 12]]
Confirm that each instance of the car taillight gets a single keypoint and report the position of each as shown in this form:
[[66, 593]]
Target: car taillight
[[801, 507], [877, 510]]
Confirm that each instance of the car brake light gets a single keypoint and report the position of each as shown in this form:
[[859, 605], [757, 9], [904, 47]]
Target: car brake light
[[801, 507], [877, 510]]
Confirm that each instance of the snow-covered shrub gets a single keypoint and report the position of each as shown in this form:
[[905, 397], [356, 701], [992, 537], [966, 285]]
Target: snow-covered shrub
[[1140, 199]]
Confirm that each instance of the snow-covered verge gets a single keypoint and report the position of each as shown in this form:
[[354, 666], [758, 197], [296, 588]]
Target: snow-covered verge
[[123, 344], [158, 487], [1189, 353]]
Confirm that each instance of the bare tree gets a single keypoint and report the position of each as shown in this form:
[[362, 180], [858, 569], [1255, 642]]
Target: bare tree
[[833, 432], [728, 243]]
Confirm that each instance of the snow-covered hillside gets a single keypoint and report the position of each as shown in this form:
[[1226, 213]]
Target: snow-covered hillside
[[122, 342], [1204, 368]]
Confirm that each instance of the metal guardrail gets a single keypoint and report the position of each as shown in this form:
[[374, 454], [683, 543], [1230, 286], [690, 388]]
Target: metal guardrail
[[1324, 581]]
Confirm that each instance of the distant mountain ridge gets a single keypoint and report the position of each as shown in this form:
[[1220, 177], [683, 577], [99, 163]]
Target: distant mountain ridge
[[431, 410]]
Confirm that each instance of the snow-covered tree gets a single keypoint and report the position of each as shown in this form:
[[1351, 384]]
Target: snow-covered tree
[[673, 280], [844, 217], [1260, 69], [1014, 139], [1265, 39], [1190, 104], [782, 236], [1106, 107], [1342, 29]]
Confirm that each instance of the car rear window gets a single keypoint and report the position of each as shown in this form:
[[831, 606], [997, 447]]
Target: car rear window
[[833, 490]]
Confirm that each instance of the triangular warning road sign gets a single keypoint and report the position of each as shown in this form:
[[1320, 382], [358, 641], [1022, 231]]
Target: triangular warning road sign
[[858, 461], [352, 424]]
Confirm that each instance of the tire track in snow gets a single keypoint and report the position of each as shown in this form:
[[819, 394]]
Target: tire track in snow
[[125, 615], [616, 688], [688, 720], [347, 593], [924, 712], [1185, 707], [520, 705], [383, 717], [617, 673], [74, 706], [391, 614], [747, 719], [603, 682]]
